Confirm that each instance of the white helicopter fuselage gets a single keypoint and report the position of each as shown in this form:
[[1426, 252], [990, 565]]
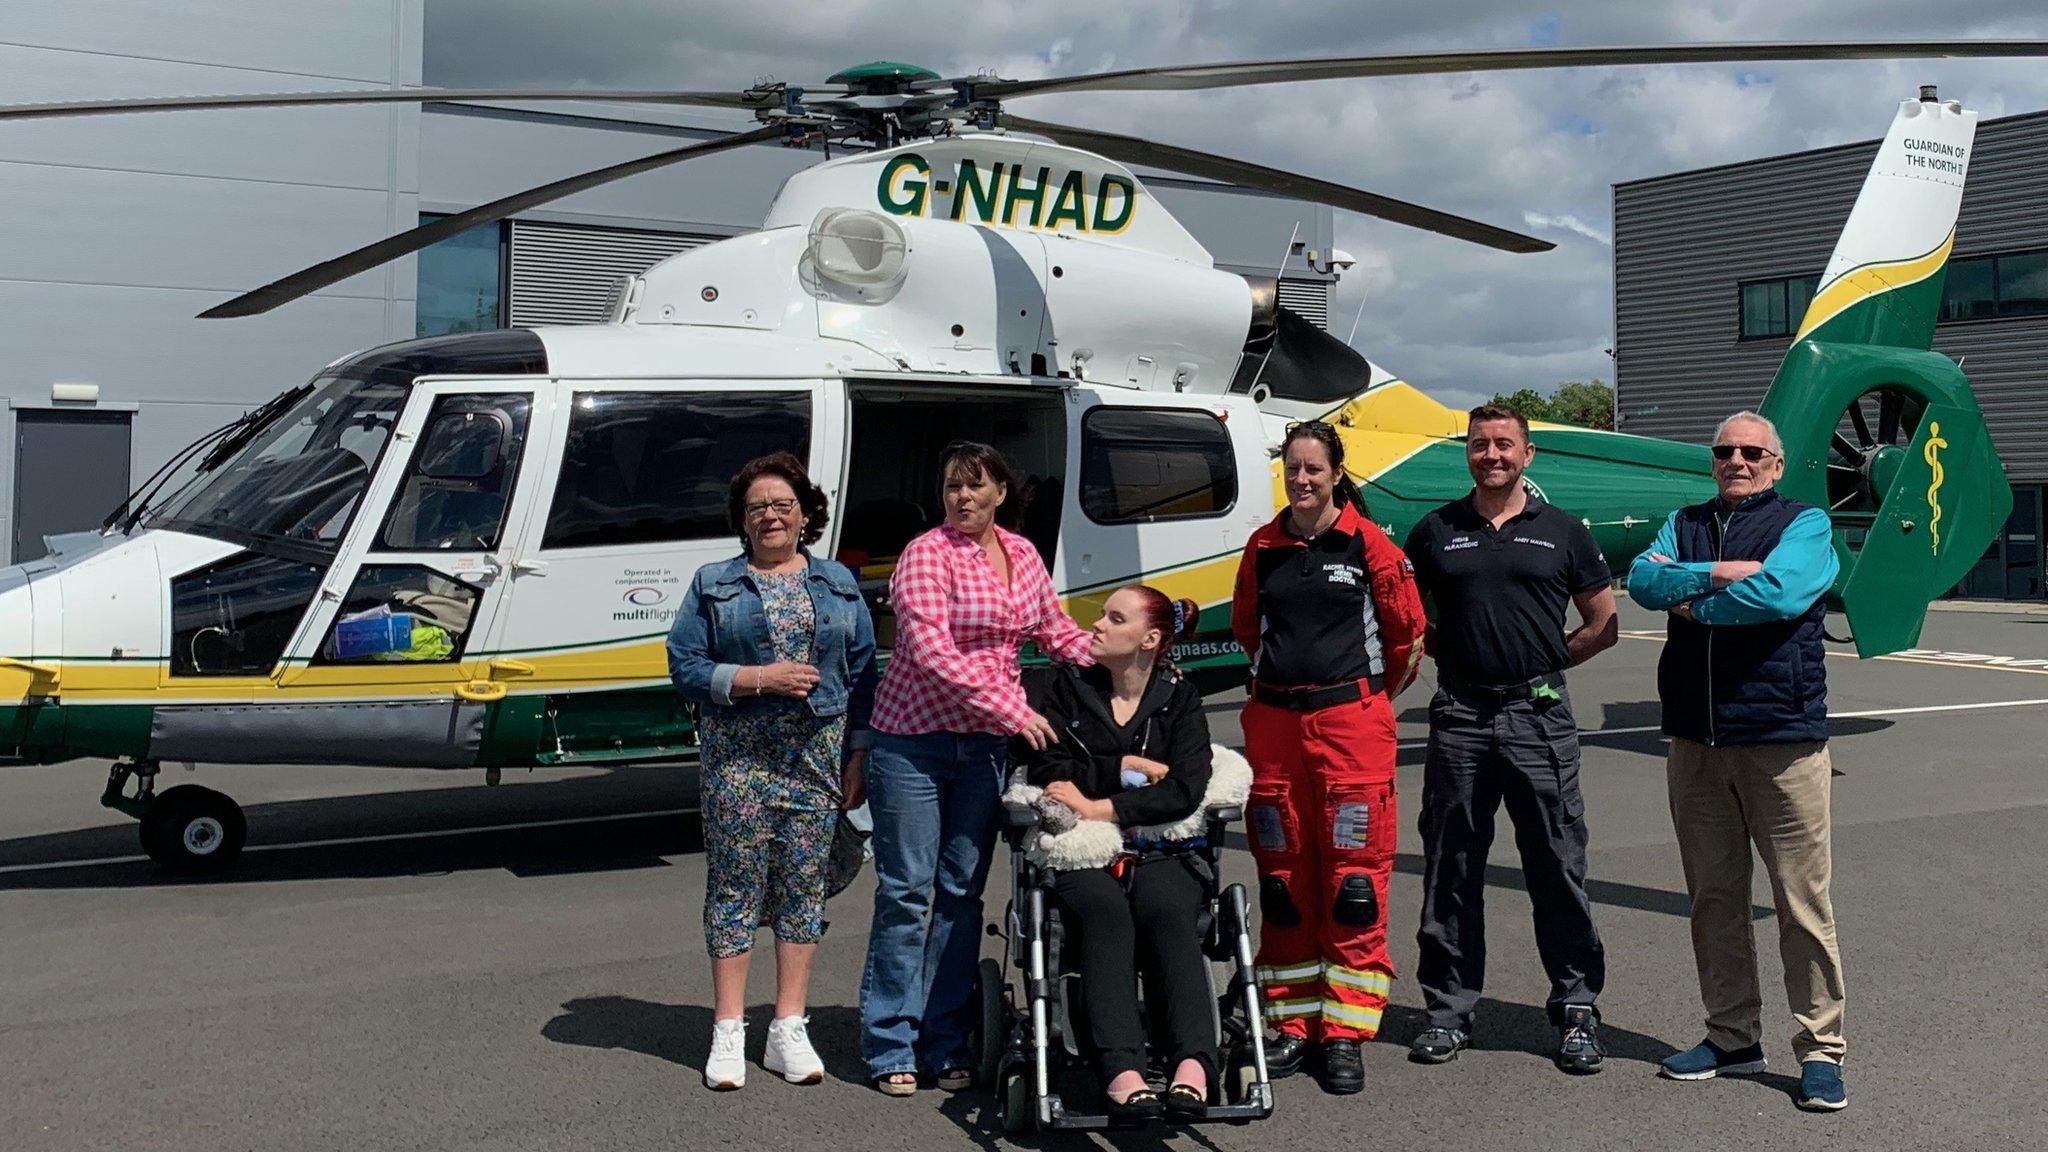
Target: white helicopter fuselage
[[519, 541]]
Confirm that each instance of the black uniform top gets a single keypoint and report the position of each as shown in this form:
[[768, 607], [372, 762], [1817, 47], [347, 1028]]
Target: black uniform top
[[1501, 593], [1328, 632]]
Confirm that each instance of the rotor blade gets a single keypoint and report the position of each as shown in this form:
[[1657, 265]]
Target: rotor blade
[[1862, 423], [1131, 150], [1183, 77], [762, 99], [391, 248], [1847, 451], [1887, 417]]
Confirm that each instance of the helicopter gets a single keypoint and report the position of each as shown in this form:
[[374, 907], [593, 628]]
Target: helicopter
[[466, 551]]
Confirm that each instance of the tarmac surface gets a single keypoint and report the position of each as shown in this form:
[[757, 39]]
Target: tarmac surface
[[411, 960]]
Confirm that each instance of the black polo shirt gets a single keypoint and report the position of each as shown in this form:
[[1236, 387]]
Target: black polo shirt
[[1500, 594]]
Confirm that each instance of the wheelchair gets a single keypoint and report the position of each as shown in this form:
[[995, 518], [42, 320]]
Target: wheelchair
[[1029, 1048]]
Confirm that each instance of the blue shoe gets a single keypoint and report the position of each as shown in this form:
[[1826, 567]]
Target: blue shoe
[[1820, 1087], [1704, 1061]]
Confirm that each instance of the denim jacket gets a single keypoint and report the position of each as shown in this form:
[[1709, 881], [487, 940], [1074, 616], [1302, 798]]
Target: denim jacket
[[722, 626]]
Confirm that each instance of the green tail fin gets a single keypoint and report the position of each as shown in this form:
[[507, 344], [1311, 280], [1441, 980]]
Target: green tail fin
[[1879, 430]]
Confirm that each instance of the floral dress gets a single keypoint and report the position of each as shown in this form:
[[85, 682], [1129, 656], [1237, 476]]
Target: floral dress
[[771, 794]]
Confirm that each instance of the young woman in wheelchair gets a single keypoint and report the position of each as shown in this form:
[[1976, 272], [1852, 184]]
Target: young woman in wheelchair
[[1133, 749]]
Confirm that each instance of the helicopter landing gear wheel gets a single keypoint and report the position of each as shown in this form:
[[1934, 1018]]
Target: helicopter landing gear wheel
[[193, 831]]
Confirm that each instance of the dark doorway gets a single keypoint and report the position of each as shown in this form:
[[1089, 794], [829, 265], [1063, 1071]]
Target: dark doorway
[[70, 470]]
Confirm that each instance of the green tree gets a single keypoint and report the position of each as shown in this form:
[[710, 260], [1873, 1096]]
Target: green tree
[[1587, 403]]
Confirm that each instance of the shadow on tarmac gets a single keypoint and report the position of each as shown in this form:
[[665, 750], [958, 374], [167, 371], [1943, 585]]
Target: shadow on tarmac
[[681, 1033], [431, 832]]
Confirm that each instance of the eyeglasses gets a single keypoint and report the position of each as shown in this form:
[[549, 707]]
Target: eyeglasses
[[762, 507], [1309, 426], [1750, 452]]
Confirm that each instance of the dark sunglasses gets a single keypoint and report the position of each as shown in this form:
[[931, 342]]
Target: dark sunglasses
[[1310, 425], [1750, 452]]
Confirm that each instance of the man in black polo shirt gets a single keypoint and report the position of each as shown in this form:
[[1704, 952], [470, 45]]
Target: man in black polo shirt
[[1500, 566]]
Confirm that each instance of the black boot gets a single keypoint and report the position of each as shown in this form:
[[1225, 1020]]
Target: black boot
[[1285, 1054], [1343, 1068]]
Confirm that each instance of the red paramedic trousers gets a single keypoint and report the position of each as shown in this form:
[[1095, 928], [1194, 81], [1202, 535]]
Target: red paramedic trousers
[[1321, 810]]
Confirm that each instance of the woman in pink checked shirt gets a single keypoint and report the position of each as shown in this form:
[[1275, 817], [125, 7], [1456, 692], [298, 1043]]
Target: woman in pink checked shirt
[[967, 594]]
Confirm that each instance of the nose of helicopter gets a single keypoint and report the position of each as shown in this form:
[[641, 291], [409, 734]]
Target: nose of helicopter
[[18, 667]]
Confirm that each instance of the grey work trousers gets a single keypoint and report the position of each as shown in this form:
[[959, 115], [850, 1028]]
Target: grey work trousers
[[1524, 754]]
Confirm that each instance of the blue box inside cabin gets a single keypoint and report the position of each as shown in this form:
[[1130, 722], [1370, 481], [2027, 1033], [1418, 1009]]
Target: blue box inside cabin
[[372, 634]]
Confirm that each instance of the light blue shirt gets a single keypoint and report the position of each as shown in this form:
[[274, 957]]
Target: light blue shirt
[[1800, 569]]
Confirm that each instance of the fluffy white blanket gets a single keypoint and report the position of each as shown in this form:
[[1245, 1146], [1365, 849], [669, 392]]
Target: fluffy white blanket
[[1065, 844]]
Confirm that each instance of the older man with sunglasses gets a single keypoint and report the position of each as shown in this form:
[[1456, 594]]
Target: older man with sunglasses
[[1742, 678]]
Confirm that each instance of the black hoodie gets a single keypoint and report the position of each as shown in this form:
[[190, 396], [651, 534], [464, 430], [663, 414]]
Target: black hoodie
[[1169, 726]]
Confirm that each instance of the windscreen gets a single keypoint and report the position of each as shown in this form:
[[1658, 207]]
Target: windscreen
[[298, 480]]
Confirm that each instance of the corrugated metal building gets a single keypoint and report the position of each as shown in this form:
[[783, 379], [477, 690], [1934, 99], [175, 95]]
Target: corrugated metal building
[[1713, 267], [117, 230]]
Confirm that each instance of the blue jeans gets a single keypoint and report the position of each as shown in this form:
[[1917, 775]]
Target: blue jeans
[[935, 798]]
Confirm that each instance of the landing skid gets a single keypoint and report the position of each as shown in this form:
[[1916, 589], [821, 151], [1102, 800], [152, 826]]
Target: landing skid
[[188, 830]]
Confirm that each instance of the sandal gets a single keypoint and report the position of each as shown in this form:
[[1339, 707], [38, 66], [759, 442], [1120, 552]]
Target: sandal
[[1141, 1104], [956, 1079], [897, 1084], [1186, 1099]]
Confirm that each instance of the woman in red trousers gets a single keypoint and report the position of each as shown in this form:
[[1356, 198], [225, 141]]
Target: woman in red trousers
[[1326, 608]]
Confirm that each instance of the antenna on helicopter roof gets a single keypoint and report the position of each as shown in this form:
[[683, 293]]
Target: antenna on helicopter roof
[[1353, 334]]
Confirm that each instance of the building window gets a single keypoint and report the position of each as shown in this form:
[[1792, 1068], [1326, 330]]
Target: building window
[[653, 467], [1146, 464], [461, 286], [1775, 307], [1996, 286]]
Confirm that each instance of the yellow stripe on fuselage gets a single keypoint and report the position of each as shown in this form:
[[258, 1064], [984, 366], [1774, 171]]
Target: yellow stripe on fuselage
[[1862, 283]]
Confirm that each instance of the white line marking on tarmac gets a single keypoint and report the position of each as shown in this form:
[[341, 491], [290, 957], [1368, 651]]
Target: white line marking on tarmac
[[524, 825], [382, 838], [1865, 713], [1934, 656]]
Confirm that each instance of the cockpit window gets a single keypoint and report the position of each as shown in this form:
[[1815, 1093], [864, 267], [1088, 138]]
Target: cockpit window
[[298, 481], [293, 487], [461, 477]]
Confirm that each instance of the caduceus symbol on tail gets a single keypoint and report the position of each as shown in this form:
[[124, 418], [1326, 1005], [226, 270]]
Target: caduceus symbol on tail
[[1934, 445]]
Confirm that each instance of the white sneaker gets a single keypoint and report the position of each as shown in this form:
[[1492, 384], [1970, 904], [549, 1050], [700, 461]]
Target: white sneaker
[[790, 1054], [726, 1068]]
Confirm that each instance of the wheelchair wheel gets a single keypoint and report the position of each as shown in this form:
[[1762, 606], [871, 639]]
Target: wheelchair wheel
[[992, 1035], [1014, 1092]]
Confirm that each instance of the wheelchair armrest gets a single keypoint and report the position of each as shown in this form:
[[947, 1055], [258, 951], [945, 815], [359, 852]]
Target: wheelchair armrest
[[1019, 815], [1226, 813]]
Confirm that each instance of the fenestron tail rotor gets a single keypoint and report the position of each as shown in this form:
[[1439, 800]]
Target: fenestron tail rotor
[[882, 103]]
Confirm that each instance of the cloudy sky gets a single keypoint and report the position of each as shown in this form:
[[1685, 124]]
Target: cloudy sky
[[1533, 151]]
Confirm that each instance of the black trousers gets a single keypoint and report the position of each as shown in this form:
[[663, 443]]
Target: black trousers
[[1113, 934], [1525, 755]]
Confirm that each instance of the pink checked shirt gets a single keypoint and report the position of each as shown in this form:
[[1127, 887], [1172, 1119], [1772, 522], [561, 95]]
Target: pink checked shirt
[[958, 629]]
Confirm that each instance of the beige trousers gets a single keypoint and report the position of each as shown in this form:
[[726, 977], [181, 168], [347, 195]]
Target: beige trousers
[[1775, 796]]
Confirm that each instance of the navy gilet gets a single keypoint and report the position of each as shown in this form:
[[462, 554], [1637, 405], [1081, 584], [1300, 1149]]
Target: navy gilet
[[1743, 683]]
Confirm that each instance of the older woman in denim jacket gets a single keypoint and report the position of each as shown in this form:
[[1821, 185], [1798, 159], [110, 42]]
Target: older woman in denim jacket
[[777, 649]]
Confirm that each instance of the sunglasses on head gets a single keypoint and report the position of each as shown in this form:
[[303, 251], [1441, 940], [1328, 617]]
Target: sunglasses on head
[[1309, 425], [1750, 452]]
